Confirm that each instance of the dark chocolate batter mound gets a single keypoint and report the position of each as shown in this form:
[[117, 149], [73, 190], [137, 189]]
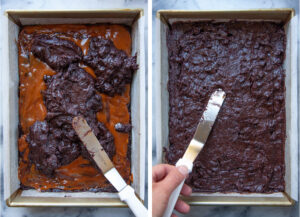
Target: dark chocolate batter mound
[[71, 92], [53, 142], [245, 150], [57, 53], [113, 68], [123, 128]]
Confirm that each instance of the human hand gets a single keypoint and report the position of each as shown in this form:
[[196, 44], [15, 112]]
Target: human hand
[[165, 178]]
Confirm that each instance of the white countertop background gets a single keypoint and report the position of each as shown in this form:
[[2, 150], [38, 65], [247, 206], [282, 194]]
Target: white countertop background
[[203, 211]]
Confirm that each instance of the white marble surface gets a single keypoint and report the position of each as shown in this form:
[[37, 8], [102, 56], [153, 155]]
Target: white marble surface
[[229, 211]]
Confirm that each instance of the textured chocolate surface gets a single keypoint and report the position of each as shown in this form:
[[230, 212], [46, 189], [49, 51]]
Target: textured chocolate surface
[[113, 68], [53, 142], [245, 150], [55, 85], [57, 53], [123, 128]]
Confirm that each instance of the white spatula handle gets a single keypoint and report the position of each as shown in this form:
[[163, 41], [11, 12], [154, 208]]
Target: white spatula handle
[[128, 196], [175, 194]]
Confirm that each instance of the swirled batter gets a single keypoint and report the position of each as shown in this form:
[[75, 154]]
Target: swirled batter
[[245, 150], [57, 84]]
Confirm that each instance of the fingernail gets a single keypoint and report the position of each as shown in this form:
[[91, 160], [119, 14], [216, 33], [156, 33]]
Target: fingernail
[[183, 170]]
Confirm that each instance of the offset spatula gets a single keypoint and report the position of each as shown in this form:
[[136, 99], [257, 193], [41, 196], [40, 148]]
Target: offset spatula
[[90, 141], [203, 129]]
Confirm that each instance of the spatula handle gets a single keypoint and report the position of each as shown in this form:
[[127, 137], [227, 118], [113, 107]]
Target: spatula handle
[[128, 196], [172, 200], [175, 194]]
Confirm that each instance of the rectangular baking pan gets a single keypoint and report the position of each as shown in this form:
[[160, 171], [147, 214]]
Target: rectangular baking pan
[[13, 21], [160, 76]]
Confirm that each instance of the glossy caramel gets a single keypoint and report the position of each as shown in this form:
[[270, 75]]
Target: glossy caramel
[[79, 175]]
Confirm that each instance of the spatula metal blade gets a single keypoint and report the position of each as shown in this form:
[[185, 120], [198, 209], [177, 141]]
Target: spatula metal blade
[[205, 125], [92, 144]]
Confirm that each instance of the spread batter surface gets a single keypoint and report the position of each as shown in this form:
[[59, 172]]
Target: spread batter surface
[[65, 71], [245, 150]]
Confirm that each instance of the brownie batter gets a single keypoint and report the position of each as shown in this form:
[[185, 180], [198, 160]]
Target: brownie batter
[[53, 142], [55, 86], [113, 67], [123, 128], [57, 53], [245, 150]]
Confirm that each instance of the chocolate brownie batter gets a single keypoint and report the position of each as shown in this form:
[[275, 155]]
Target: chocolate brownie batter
[[56, 85], [57, 53], [113, 67], [245, 150], [123, 128], [53, 142]]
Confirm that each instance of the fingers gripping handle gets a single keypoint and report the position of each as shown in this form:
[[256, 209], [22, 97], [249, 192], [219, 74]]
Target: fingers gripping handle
[[128, 196], [175, 194]]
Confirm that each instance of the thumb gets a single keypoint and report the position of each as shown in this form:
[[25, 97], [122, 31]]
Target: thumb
[[174, 178]]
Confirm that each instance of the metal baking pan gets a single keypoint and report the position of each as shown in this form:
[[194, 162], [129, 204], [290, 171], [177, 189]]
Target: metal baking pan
[[164, 19], [13, 21]]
